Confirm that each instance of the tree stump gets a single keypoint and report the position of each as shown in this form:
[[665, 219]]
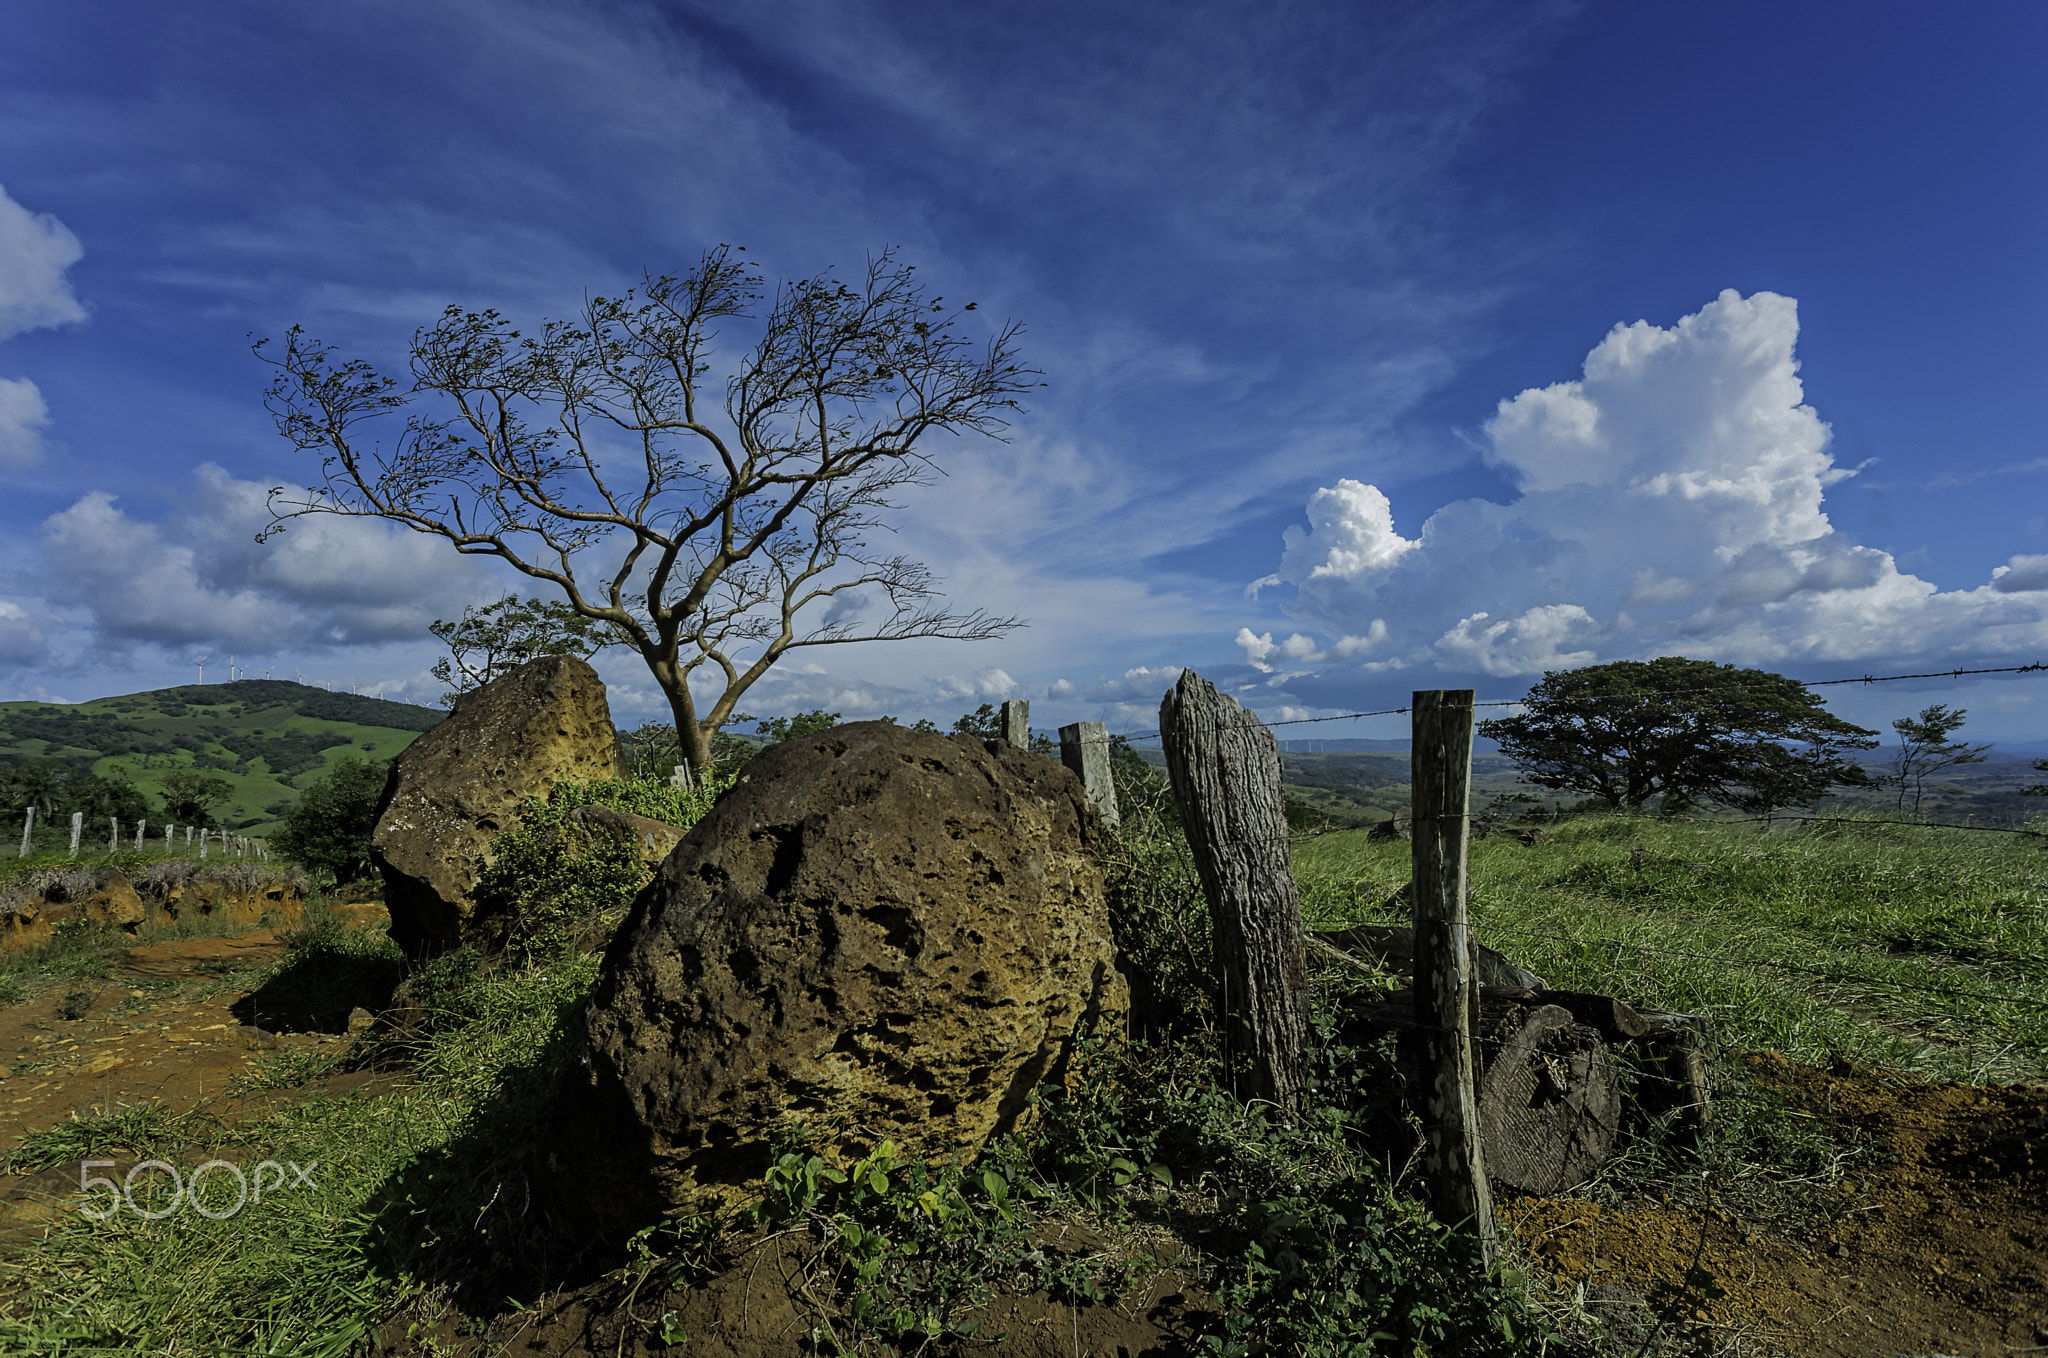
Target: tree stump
[[1550, 1100]]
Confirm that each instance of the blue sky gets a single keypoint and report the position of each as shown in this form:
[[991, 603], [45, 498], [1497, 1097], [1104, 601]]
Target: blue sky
[[1386, 346]]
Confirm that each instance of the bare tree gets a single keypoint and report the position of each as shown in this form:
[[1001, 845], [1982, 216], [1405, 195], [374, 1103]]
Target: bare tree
[[586, 455]]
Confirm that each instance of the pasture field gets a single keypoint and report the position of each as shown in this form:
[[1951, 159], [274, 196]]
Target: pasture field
[[1146, 1195], [266, 737], [1913, 948]]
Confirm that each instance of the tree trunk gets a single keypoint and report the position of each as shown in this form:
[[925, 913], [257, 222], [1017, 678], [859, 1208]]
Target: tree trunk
[[1225, 767]]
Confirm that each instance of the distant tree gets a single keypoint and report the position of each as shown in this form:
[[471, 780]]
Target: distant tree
[[486, 641], [983, 723], [100, 796], [57, 788], [330, 827], [591, 454], [779, 729], [1680, 732], [190, 798], [652, 750], [39, 783], [1925, 749]]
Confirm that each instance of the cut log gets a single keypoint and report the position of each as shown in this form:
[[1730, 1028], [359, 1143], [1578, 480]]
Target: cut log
[[1549, 1103], [1673, 1053], [1549, 1097]]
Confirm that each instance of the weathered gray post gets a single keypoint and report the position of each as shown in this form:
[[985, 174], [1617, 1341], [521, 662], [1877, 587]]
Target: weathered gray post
[[140, 826], [169, 830], [1225, 767], [113, 835], [1017, 722], [202, 843], [188, 839], [1446, 995], [28, 826], [1084, 748], [77, 830]]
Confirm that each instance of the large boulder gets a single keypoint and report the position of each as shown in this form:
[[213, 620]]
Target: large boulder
[[461, 782], [879, 932]]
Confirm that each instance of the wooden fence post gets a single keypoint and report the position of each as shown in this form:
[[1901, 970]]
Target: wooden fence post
[[1225, 767], [77, 830], [1017, 722], [1446, 991], [1084, 748]]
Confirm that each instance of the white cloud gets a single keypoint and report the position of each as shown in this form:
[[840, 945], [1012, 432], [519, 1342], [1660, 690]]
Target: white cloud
[[1672, 503], [2021, 574], [1533, 642], [985, 685], [199, 578], [21, 639], [35, 250], [23, 417]]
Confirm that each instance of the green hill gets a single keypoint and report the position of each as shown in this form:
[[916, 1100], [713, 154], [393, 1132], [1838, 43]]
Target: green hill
[[267, 737]]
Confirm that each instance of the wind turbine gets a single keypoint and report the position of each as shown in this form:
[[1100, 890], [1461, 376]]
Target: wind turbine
[[201, 663]]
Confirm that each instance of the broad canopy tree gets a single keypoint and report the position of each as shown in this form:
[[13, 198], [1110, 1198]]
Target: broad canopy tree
[[490, 639], [591, 455], [1680, 732]]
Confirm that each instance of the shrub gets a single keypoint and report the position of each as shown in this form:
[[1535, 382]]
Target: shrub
[[329, 828], [555, 881]]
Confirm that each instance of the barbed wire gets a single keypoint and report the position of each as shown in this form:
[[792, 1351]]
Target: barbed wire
[[1728, 960], [2033, 667]]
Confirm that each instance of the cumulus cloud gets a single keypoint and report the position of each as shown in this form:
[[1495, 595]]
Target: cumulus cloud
[[984, 685], [23, 417], [21, 638], [35, 250], [1672, 501], [199, 578]]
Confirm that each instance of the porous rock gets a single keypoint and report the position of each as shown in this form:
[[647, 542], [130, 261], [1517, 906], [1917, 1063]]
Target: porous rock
[[462, 781], [651, 840], [879, 932]]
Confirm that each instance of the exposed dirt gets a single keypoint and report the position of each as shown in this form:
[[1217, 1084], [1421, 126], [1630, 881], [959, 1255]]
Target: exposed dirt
[[160, 1028], [1938, 1246]]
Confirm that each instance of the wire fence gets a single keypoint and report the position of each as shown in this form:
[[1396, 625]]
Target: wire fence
[[2035, 667]]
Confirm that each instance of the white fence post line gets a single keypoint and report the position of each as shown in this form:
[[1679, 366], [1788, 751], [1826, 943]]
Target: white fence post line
[[77, 829], [28, 826], [1084, 748], [1016, 727]]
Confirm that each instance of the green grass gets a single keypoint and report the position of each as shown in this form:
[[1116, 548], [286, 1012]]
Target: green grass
[[136, 735], [1813, 941], [1913, 948]]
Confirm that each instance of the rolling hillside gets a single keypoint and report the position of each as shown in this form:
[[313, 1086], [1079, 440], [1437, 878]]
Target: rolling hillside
[[267, 737]]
